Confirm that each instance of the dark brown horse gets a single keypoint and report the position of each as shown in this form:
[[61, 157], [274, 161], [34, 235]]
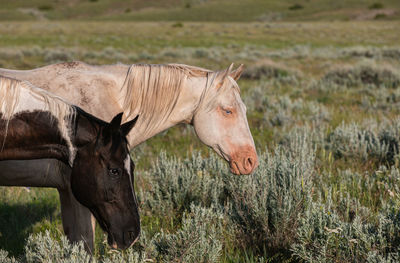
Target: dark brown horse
[[35, 124]]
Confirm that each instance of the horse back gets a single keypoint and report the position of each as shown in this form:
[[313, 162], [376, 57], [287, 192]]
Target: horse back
[[93, 88]]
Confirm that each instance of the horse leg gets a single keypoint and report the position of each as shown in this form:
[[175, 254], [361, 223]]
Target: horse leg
[[78, 222], [76, 218]]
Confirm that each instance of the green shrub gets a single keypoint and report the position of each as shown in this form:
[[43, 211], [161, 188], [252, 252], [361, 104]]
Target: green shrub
[[42, 248], [128, 256], [196, 242], [369, 189], [352, 142], [381, 99], [5, 259], [177, 24], [45, 7], [268, 70], [324, 236], [282, 111], [54, 56], [393, 53], [364, 74], [257, 213], [296, 7], [285, 111], [376, 6], [201, 53], [265, 207], [380, 16], [257, 98], [371, 52], [175, 184]]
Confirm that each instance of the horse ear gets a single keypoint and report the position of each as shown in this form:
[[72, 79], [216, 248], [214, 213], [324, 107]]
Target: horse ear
[[127, 126], [226, 74], [115, 122], [110, 129], [237, 72], [228, 71], [230, 68]]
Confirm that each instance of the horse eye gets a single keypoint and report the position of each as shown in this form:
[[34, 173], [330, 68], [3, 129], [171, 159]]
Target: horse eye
[[114, 171], [228, 112]]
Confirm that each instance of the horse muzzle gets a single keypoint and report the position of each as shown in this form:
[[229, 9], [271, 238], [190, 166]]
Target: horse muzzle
[[244, 161]]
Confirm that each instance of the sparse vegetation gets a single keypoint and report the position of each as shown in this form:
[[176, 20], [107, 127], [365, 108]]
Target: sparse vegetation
[[364, 74], [177, 24], [380, 16], [323, 105], [376, 6], [296, 7], [45, 7], [268, 69], [198, 10]]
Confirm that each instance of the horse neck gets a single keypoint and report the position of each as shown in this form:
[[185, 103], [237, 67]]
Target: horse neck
[[32, 135], [182, 112]]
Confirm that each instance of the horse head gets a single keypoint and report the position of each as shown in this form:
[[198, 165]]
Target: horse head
[[102, 180], [220, 121]]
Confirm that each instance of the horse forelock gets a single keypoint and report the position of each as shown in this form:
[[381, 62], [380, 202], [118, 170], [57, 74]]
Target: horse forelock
[[18, 96], [234, 84], [218, 84]]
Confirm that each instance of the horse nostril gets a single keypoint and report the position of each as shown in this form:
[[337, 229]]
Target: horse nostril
[[250, 161]]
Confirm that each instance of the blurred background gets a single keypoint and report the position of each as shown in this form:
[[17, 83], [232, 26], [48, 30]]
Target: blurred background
[[321, 86]]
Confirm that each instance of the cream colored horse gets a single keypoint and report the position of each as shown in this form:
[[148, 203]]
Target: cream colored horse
[[163, 96]]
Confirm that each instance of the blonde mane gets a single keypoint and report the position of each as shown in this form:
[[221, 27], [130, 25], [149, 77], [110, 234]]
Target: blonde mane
[[153, 90], [16, 94]]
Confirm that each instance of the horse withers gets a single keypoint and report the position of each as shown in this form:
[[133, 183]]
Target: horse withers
[[35, 124]]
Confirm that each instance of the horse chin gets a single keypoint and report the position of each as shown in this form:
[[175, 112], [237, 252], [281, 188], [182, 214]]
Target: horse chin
[[242, 162], [234, 168], [122, 241], [130, 238], [111, 241]]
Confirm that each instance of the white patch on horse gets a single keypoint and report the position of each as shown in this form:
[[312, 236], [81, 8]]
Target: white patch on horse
[[127, 165]]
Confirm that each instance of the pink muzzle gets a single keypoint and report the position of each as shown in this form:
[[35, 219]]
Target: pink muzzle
[[244, 161]]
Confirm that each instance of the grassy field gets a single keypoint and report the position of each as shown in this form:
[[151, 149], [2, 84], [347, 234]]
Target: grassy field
[[323, 102], [200, 10]]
